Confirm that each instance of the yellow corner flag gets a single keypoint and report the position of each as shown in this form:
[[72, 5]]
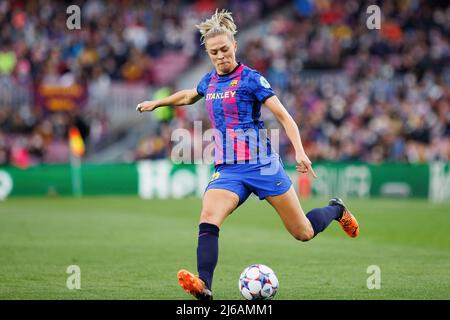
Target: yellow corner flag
[[76, 142]]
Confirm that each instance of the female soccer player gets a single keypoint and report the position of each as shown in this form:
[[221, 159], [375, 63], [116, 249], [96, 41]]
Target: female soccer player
[[234, 94]]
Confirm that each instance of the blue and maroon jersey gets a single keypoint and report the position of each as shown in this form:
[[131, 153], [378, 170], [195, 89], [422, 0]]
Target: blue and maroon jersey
[[233, 102]]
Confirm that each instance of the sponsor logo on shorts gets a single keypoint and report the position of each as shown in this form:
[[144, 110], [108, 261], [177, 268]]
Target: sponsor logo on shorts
[[215, 176]]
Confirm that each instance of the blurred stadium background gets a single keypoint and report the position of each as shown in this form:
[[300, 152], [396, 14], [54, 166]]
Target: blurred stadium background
[[373, 107]]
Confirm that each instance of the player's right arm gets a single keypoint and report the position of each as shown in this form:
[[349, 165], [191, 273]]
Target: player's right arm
[[180, 98]]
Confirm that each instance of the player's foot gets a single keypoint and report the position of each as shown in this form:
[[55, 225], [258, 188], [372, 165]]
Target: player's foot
[[347, 220], [194, 285]]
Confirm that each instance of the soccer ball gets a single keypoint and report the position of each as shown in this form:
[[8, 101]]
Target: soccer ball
[[258, 282]]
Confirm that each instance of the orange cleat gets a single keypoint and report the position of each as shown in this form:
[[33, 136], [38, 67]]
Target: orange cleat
[[347, 221], [194, 285]]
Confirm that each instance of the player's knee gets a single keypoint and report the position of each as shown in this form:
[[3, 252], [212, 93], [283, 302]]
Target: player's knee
[[304, 234], [302, 237], [208, 216]]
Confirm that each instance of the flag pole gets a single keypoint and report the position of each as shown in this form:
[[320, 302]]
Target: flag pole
[[76, 145], [75, 168]]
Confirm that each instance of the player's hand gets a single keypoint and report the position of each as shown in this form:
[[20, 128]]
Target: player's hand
[[147, 106], [304, 165]]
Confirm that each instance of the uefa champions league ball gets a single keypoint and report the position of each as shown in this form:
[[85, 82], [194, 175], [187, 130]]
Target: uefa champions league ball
[[258, 282]]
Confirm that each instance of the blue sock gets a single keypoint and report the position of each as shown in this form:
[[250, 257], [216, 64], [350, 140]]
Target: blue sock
[[320, 218], [207, 251]]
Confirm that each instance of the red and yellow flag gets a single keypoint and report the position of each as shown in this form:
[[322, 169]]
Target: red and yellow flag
[[76, 142]]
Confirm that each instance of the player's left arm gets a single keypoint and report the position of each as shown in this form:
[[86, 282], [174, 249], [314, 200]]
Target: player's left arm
[[291, 128]]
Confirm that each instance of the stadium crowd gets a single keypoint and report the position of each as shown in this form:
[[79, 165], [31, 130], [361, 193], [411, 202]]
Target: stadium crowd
[[357, 94], [390, 98], [385, 95], [118, 41]]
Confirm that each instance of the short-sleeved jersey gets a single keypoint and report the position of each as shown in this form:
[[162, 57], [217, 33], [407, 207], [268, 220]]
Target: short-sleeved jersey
[[233, 103]]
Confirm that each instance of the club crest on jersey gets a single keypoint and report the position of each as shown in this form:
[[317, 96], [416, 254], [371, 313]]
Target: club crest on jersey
[[234, 83]]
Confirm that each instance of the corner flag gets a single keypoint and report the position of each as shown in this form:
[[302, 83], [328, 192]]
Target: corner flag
[[76, 145], [76, 142]]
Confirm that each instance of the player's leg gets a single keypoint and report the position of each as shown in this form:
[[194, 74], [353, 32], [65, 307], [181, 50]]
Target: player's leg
[[217, 205], [276, 186], [305, 227], [291, 213], [300, 226]]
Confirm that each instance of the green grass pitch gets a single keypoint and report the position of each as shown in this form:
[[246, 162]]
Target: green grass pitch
[[128, 248]]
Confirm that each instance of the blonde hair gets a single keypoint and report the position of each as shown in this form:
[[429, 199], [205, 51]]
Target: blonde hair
[[220, 23]]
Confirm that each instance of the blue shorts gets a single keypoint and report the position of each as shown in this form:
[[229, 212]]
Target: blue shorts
[[264, 180]]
